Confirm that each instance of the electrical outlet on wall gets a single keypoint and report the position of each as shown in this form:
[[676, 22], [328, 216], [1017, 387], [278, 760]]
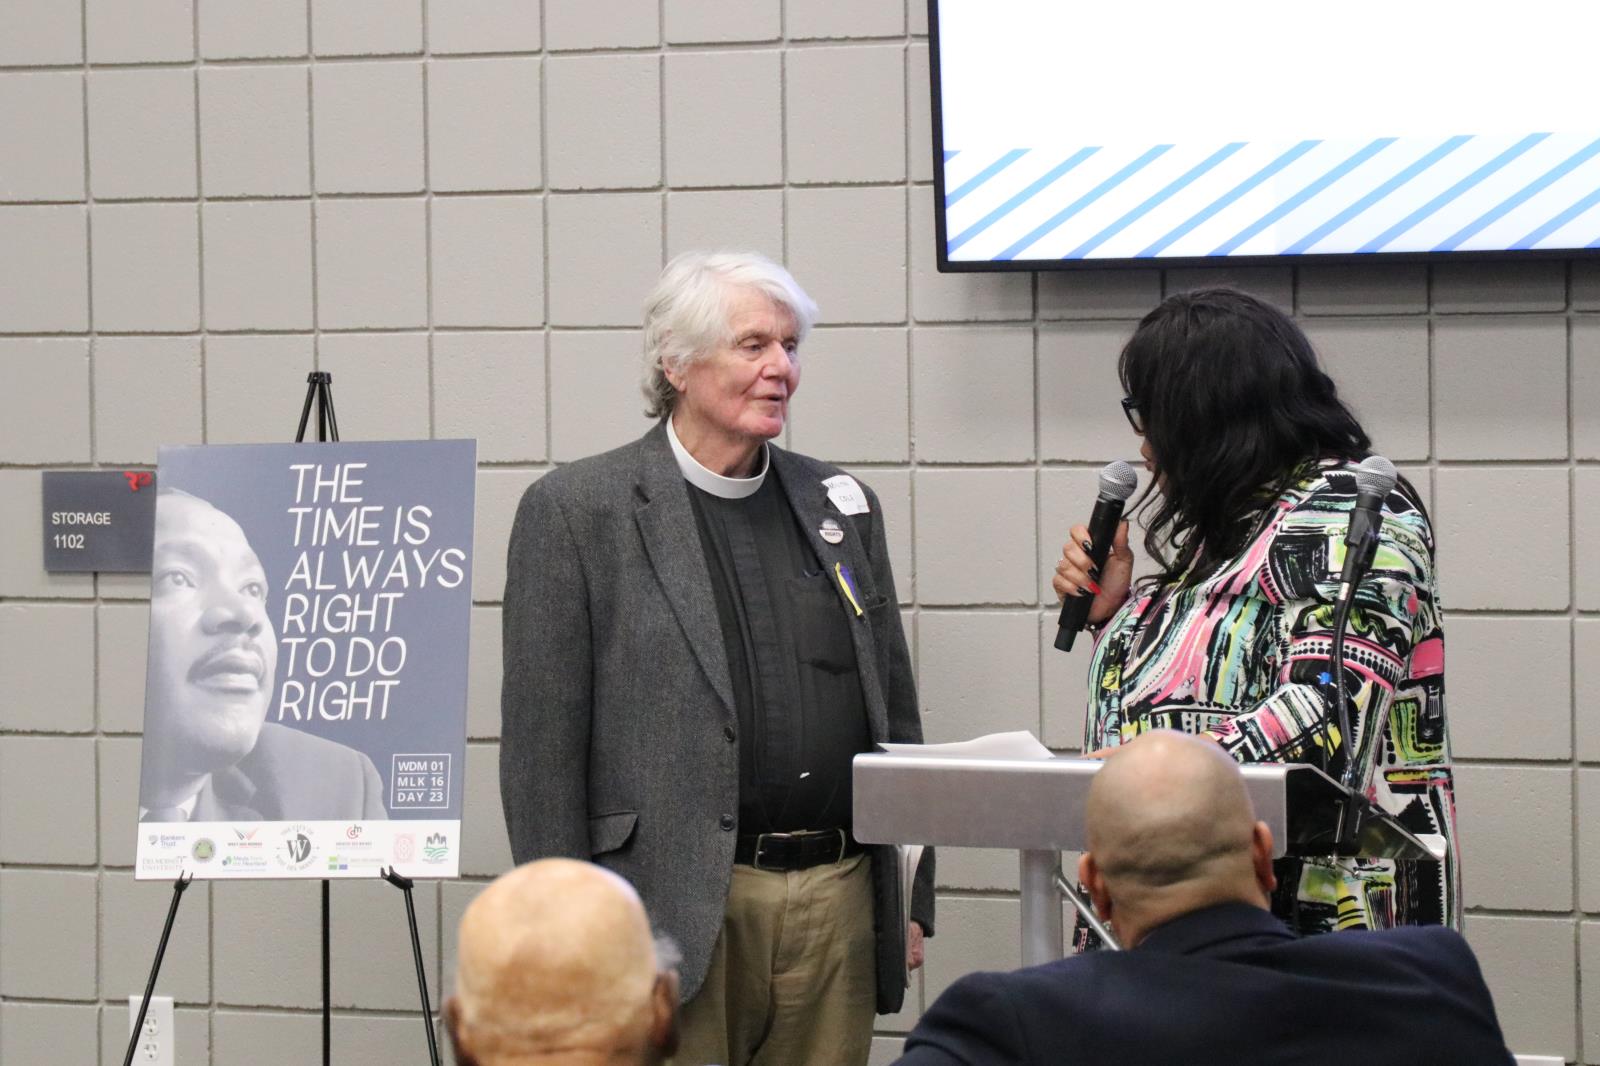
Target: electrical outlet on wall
[[155, 1044]]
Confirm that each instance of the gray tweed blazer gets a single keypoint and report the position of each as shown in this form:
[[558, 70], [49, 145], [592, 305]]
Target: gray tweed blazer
[[617, 707]]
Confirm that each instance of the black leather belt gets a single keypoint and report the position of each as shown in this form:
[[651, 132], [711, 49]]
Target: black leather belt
[[794, 851]]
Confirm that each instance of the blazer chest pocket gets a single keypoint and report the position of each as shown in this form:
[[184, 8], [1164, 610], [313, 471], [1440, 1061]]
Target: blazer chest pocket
[[611, 832], [876, 611]]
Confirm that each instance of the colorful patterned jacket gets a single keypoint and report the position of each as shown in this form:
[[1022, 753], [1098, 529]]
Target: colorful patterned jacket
[[1241, 656]]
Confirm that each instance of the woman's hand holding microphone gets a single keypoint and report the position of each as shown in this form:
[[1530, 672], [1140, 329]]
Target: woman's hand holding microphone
[[1075, 574]]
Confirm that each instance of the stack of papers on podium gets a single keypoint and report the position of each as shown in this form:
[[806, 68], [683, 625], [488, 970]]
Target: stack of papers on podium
[[1020, 744]]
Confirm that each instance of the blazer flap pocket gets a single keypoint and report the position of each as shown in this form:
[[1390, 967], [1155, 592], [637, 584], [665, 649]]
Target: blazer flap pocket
[[608, 832]]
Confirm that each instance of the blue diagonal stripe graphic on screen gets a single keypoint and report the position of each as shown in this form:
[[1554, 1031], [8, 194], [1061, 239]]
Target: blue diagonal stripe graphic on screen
[[1154, 201], [1521, 196], [951, 153], [1309, 240], [1557, 222], [984, 175], [1377, 243], [1026, 194], [1085, 200], [1303, 195], [1230, 196]]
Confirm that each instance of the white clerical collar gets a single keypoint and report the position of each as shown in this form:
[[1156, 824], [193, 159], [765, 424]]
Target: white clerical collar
[[729, 488]]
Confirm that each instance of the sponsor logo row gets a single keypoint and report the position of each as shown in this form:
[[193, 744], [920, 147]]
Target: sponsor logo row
[[291, 848]]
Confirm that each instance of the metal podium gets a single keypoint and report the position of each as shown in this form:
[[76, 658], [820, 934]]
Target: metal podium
[[1035, 806]]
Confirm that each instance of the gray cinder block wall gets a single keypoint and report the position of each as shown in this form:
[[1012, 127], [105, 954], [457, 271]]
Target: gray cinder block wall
[[456, 206]]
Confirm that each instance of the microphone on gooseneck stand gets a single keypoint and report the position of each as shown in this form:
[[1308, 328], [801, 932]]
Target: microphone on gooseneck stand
[[1117, 482], [1375, 479]]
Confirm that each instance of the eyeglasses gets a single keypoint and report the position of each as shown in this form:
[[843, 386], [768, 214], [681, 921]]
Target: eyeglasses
[[1131, 408]]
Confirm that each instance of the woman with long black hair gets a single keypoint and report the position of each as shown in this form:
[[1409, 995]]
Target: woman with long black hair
[[1252, 457]]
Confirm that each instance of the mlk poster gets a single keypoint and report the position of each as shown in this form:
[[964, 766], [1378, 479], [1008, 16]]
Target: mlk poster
[[306, 685]]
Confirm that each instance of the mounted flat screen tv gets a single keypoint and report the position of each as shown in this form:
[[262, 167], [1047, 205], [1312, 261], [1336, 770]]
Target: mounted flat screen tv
[[1115, 132]]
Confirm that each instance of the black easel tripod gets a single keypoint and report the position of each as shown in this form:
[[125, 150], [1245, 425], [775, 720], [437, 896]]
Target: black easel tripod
[[319, 391]]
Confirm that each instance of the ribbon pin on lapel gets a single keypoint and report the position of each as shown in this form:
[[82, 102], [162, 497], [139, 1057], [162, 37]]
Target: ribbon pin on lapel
[[842, 572]]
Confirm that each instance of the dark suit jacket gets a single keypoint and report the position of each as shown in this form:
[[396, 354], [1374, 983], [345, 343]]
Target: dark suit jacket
[[1228, 984], [293, 776], [618, 720]]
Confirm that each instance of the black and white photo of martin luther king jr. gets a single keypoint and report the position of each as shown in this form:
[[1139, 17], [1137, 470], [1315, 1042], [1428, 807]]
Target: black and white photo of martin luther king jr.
[[209, 753]]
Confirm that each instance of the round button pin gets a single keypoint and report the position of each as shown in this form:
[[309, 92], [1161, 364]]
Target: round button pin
[[830, 531]]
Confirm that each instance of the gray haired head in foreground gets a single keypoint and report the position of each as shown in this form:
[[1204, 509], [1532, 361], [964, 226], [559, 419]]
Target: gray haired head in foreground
[[686, 314]]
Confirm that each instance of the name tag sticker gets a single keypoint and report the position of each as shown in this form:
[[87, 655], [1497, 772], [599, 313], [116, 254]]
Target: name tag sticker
[[847, 494]]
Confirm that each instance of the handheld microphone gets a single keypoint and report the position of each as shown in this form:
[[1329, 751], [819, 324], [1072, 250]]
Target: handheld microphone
[[1117, 482]]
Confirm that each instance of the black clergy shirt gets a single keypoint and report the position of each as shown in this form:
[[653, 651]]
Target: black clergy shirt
[[802, 716]]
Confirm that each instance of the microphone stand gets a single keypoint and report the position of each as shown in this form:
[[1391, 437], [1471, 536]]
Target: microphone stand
[[1354, 810]]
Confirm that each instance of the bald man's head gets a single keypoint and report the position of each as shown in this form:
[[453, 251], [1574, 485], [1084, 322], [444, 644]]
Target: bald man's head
[[557, 964], [1171, 830]]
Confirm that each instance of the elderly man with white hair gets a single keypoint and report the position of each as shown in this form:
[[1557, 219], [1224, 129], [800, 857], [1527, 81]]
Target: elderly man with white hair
[[700, 633]]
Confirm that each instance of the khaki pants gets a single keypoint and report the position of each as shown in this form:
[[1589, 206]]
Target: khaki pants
[[793, 980]]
